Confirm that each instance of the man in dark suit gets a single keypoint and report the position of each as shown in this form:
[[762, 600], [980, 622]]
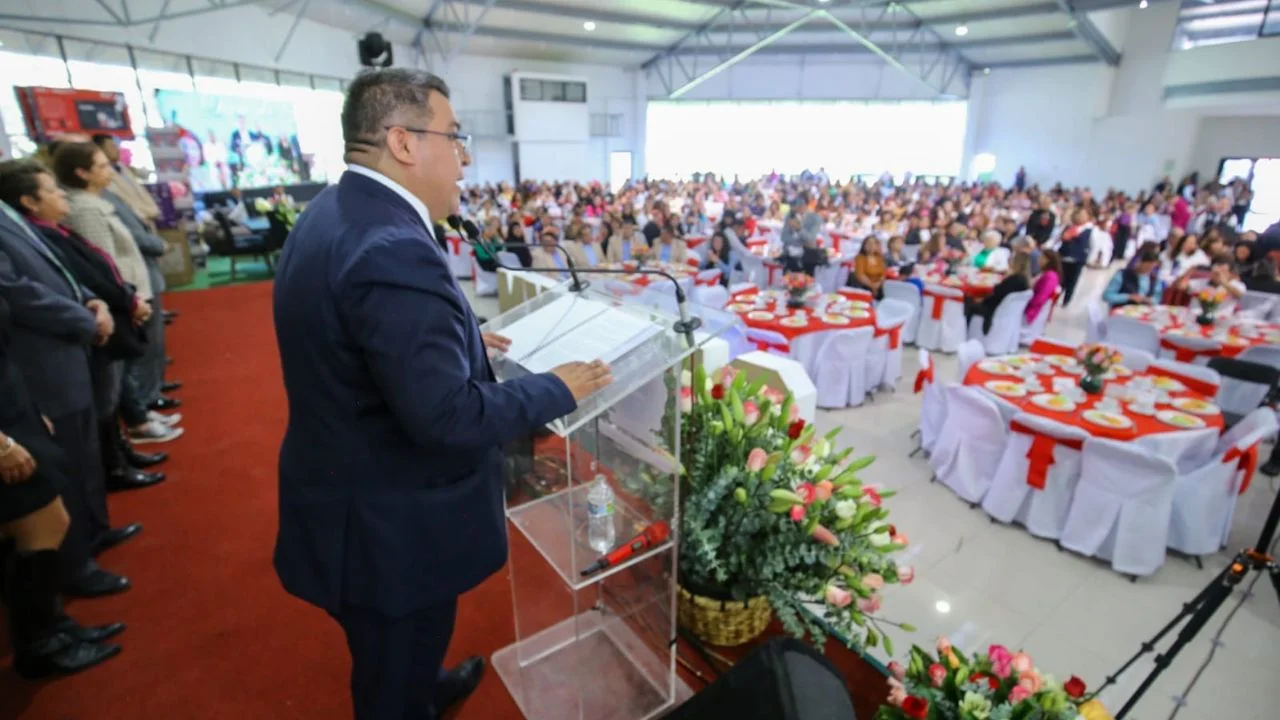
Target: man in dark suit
[[390, 472], [55, 320]]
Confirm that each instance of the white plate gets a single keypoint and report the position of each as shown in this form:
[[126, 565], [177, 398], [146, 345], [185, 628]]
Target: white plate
[[832, 319], [740, 307], [1178, 419], [1062, 361], [857, 314], [1047, 400], [760, 315], [1139, 410], [794, 321], [1195, 406], [1168, 384], [1117, 371], [997, 367], [1004, 388], [1112, 421]]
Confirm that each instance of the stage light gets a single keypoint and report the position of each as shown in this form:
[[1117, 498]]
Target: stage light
[[986, 71], [943, 607], [588, 26], [962, 30], [1142, 5]]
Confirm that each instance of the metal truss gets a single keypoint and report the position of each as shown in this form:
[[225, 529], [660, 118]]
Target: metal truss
[[1090, 34], [903, 41], [448, 25], [116, 13]]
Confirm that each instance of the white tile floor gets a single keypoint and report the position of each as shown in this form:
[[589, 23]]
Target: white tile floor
[[979, 583]]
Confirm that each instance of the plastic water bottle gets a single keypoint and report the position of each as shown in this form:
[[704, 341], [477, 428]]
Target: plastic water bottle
[[600, 530]]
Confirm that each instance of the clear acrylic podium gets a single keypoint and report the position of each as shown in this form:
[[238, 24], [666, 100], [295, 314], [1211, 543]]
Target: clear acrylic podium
[[597, 647]]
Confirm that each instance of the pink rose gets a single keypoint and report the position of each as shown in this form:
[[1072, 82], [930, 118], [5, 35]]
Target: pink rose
[[794, 413], [807, 492], [838, 596], [906, 575], [1031, 680], [825, 536], [750, 412], [937, 674], [873, 581], [869, 605], [686, 400], [897, 695], [825, 488], [899, 539], [896, 670], [773, 395], [757, 459], [726, 375], [797, 512], [1018, 694], [1022, 662], [944, 646], [1001, 661], [800, 454], [872, 497]]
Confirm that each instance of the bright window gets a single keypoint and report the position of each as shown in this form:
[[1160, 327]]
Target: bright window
[[751, 139]]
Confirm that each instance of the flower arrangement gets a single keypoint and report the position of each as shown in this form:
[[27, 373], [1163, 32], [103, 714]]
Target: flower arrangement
[[997, 685], [1096, 360], [641, 252], [1210, 299], [770, 510], [798, 285]]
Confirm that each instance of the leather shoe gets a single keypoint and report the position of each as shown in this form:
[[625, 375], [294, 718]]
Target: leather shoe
[[164, 403], [169, 387], [96, 583], [146, 460], [115, 536], [61, 654], [132, 479], [92, 633], [171, 313], [458, 683]]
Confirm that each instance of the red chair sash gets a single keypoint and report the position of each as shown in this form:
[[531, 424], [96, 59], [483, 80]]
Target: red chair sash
[[1203, 387], [1185, 354], [455, 244], [1040, 456], [1040, 346], [709, 281], [1247, 462], [924, 377], [766, 346], [895, 337], [939, 301]]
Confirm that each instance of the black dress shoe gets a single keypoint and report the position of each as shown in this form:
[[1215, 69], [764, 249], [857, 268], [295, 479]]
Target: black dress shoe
[[133, 479], [145, 460], [115, 536], [164, 403], [171, 313], [458, 683], [91, 634], [96, 583], [170, 386], [61, 654]]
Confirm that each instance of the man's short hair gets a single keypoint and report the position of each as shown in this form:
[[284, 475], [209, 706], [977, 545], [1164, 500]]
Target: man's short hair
[[1222, 258], [102, 138], [1148, 254], [376, 96]]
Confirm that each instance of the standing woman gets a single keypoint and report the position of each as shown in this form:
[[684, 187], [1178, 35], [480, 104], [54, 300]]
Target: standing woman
[[45, 640], [1074, 252]]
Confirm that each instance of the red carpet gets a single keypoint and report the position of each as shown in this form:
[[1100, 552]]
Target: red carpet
[[211, 633]]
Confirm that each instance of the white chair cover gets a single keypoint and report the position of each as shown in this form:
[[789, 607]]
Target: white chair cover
[[892, 317], [933, 403], [713, 296], [1126, 332], [806, 349], [1011, 498], [769, 340], [908, 293], [753, 270], [942, 325], [1257, 304], [1264, 354], [1096, 329], [1122, 506], [1195, 372], [827, 277], [1133, 358], [970, 352], [1195, 350], [1205, 498], [1035, 328], [971, 443], [459, 255], [842, 369], [486, 282], [1006, 324]]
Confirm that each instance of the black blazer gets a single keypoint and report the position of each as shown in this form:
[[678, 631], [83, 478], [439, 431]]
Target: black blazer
[[1008, 286], [94, 272]]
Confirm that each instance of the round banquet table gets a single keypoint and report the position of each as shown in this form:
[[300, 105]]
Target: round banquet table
[[1184, 445], [773, 261], [840, 312], [975, 285], [1172, 321]]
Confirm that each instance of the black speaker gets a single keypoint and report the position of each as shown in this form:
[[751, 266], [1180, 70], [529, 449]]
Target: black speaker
[[375, 51], [784, 679]]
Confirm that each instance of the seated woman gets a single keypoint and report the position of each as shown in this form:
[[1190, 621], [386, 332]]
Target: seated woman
[[1137, 284], [992, 256], [869, 268], [718, 257], [488, 245], [896, 258], [516, 237], [669, 248], [1046, 284], [1018, 279]]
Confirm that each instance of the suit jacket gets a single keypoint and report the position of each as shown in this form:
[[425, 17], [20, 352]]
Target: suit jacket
[[95, 219], [620, 251], [545, 262], [391, 470], [151, 246], [127, 187], [676, 256], [52, 330]]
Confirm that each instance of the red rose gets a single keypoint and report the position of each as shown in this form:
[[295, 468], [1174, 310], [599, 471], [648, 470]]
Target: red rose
[[893, 530], [1074, 687], [717, 392], [794, 430], [992, 683], [915, 707]]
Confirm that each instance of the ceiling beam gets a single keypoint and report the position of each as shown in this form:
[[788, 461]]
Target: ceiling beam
[[828, 48], [174, 15], [1038, 62], [1090, 34], [741, 55], [579, 12]]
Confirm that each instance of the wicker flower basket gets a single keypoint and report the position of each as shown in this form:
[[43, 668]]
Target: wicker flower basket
[[723, 622]]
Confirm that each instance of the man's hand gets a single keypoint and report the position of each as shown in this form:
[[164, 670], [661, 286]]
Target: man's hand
[[16, 465], [142, 312], [582, 378], [102, 317], [494, 341]]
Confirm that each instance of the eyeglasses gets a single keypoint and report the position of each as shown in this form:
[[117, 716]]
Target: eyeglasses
[[461, 139]]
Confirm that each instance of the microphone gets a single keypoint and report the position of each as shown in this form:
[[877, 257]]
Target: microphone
[[685, 325], [650, 537]]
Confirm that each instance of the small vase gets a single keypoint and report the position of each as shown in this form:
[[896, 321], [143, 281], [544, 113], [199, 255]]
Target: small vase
[[1205, 319], [795, 299], [1091, 383]]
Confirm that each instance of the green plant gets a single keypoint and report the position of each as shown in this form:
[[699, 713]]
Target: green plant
[[768, 508]]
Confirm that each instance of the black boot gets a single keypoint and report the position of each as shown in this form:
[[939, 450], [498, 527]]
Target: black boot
[[41, 647], [132, 456]]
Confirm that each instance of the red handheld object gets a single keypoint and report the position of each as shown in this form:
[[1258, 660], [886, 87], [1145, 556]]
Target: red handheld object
[[650, 537]]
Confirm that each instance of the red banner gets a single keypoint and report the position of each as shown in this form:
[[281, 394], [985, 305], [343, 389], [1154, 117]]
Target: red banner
[[51, 113]]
